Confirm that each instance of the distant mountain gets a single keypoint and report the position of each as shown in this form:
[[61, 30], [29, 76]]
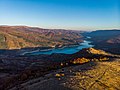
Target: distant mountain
[[16, 37], [108, 40]]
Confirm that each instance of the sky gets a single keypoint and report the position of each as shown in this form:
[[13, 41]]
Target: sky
[[61, 14]]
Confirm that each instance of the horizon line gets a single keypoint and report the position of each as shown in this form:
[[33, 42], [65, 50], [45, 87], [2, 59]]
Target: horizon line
[[63, 28]]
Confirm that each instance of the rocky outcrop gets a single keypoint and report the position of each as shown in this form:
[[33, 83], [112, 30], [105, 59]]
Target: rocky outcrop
[[17, 69], [94, 73]]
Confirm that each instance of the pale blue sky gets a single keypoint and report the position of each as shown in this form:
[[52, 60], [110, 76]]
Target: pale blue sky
[[67, 14]]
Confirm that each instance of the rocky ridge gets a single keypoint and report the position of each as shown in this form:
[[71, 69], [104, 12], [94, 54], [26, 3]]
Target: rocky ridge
[[88, 69]]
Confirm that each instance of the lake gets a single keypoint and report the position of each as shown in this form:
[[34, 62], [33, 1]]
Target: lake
[[64, 50]]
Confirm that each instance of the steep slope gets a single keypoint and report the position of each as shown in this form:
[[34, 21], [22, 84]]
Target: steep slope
[[87, 65], [16, 37], [90, 76], [97, 74], [108, 40]]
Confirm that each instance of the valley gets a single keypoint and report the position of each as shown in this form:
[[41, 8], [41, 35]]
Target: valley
[[59, 45], [58, 59]]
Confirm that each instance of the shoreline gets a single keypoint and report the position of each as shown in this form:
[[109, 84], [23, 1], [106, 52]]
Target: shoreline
[[50, 48], [59, 48]]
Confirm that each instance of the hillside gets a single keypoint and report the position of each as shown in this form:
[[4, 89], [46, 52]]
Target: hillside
[[16, 37], [90, 76], [92, 66], [98, 70], [108, 40]]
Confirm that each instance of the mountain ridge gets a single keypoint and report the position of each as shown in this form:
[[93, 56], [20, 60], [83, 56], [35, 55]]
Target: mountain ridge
[[16, 37]]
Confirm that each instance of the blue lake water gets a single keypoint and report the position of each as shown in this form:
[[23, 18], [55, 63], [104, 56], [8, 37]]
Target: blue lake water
[[64, 50]]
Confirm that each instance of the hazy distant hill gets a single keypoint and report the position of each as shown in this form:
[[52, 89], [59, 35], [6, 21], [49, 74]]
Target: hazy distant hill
[[16, 37], [108, 40]]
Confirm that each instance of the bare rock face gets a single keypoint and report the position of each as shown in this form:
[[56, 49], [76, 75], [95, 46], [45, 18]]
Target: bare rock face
[[96, 51]]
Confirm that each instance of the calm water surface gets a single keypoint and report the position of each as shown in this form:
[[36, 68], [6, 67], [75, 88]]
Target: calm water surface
[[65, 50]]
